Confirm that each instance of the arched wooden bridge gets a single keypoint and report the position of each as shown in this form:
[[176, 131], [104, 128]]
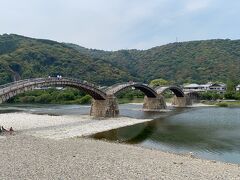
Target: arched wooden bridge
[[104, 101]]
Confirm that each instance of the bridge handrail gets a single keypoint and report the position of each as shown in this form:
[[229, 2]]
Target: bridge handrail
[[80, 81], [34, 80], [11, 83], [121, 84], [112, 89], [18, 82], [113, 86]]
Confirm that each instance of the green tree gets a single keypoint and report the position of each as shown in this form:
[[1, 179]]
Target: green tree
[[159, 82], [230, 86], [85, 99], [230, 95]]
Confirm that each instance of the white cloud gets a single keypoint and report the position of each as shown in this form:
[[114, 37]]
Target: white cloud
[[117, 24], [196, 5]]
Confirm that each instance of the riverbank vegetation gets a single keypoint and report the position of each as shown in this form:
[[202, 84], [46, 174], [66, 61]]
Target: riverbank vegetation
[[217, 96], [52, 96], [223, 103], [228, 99], [70, 96]]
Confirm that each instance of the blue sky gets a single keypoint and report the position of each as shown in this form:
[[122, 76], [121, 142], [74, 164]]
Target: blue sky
[[121, 24]]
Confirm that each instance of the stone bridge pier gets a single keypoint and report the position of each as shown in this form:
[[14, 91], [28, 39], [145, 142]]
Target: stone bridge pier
[[109, 106], [154, 104], [105, 108], [182, 101]]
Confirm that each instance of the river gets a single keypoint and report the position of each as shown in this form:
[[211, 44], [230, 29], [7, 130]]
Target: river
[[208, 132]]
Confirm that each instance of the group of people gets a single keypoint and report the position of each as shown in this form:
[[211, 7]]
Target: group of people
[[58, 77], [3, 130]]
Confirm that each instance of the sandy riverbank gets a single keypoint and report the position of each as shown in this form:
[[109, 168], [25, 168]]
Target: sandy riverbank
[[27, 157], [60, 127]]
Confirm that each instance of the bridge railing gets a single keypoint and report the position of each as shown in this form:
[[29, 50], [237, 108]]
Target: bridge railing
[[79, 81], [116, 87], [11, 83], [19, 82], [44, 79], [113, 86], [15, 84]]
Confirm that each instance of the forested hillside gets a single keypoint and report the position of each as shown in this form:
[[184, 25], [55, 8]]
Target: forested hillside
[[196, 61], [22, 57]]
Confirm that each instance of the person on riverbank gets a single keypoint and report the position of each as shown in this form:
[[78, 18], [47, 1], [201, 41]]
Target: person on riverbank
[[11, 130], [3, 130]]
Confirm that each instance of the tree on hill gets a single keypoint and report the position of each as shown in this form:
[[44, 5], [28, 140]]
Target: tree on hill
[[159, 82]]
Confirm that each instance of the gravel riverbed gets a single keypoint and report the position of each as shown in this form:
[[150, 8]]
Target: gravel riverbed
[[61, 127], [49, 147], [28, 157]]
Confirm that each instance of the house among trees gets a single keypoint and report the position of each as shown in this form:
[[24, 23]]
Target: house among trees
[[218, 87], [193, 87], [238, 88]]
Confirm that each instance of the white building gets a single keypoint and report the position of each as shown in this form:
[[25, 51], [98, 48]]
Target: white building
[[221, 88], [238, 88], [193, 87], [205, 87]]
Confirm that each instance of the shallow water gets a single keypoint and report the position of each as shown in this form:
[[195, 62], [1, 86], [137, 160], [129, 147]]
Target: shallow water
[[208, 132], [128, 110]]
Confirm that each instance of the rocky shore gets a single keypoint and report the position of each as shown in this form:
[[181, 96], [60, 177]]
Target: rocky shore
[[61, 127], [27, 157], [50, 147]]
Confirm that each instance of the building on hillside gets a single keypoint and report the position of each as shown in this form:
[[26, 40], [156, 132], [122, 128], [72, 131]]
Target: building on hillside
[[238, 88], [193, 87], [206, 87], [218, 87]]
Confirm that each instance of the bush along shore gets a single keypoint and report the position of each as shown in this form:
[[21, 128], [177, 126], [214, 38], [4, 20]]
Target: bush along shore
[[52, 96], [227, 99], [70, 96]]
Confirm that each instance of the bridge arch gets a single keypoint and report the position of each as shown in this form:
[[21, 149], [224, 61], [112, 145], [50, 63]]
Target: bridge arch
[[10, 90], [117, 88], [175, 89]]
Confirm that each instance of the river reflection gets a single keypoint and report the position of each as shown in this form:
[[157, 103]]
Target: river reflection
[[212, 133]]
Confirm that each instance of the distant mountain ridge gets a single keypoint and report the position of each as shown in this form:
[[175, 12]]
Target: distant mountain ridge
[[194, 61]]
